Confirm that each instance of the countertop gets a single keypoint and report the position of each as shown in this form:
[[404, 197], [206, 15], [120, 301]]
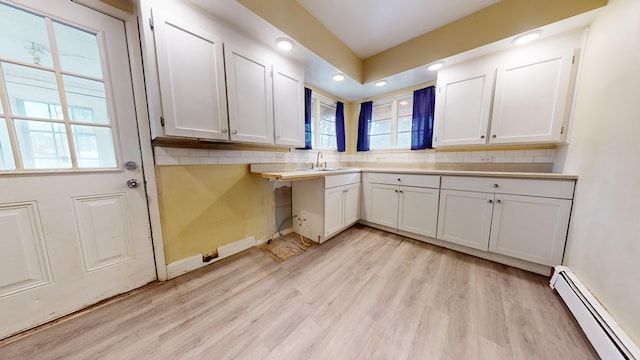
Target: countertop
[[292, 175]]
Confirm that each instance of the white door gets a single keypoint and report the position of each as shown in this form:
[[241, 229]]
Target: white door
[[383, 207], [465, 218], [72, 231], [418, 210], [530, 228], [192, 84], [249, 95], [333, 210]]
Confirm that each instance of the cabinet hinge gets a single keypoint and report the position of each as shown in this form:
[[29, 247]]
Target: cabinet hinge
[[162, 120], [573, 59], [151, 23], [562, 130]]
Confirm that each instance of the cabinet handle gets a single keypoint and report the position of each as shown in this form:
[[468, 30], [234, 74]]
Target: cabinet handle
[[490, 201], [494, 136], [234, 131], [498, 201], [399, 179], [495, 185], [396, 190], [481, 136], [401, 192], [224, 131]]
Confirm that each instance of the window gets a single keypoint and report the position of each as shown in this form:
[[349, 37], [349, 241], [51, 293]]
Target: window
[[323, 123], [391, 123], [54, 108]]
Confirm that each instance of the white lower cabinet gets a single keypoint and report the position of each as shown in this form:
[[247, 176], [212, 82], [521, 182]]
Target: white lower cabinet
[[523, 219], [323, 207], [403, 202], [530, 228], [465, 218]]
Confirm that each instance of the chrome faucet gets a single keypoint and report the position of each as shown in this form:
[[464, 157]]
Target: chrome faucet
[[318, 157]]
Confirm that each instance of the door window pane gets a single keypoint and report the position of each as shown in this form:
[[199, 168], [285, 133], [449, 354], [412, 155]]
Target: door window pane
[[6, 154], [24, 37], [43, 145], [31, 90], [78, 51], [94, 146], [86, 99]]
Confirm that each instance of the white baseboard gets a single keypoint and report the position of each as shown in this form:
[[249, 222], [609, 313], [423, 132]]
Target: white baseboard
[[191, 263]]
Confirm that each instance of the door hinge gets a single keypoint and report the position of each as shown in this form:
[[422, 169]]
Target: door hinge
[[435, 139], [573, 59], [151, 23], [162, 120], [562, 130]]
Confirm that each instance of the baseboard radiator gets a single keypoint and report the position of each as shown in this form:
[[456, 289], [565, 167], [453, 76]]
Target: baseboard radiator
[[607, 338]]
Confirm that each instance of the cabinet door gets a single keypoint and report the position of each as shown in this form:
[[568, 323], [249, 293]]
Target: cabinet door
[[418, 210], [192, 83], [465, 218], [250, 96], [288, 101], [383, 205], [532, 100], [530, 228], [462, 108], [351, 204], [333, 210]]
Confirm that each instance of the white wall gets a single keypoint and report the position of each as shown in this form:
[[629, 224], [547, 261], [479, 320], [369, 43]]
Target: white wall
[[603, 247]]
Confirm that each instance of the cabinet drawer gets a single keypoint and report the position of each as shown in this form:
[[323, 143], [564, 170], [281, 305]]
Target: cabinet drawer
[[430, 181], [562, 189], [342, 179]]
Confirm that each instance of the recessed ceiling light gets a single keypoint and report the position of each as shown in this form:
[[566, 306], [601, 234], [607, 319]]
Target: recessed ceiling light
[[380, 83], [338, 77], [435, 66], [284, 44], [527, 37]]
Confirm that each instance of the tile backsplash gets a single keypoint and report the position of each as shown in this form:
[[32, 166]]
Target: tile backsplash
[[186, 156]]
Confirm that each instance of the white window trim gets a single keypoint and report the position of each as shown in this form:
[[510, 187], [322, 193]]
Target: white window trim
[[315, 131], [394, 120]]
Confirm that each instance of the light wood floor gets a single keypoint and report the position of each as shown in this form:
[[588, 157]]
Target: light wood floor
[[365, 294]]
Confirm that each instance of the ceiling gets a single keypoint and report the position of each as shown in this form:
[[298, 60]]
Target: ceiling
[[369, 27], [318, 71]]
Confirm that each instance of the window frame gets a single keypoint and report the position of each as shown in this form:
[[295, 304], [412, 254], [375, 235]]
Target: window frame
[[394, 101], [316, 102]]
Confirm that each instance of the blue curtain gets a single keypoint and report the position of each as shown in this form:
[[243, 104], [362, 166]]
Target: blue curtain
[[307, 118], [340, 126], [422, 122], [364, 122]]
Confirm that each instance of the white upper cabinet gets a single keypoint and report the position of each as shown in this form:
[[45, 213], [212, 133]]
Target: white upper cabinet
[[463, 102], [207, 81], [192, 84], [288, 102], [532, 100], [520, 96], [250, 96]]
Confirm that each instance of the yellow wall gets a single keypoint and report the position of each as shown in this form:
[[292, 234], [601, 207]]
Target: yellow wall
[[502, 20], [205, 206]]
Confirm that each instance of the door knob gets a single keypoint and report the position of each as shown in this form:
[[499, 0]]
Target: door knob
[[130, 165], [133, 183]]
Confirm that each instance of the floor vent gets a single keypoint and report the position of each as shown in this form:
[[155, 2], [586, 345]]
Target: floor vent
[[607, 338]]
